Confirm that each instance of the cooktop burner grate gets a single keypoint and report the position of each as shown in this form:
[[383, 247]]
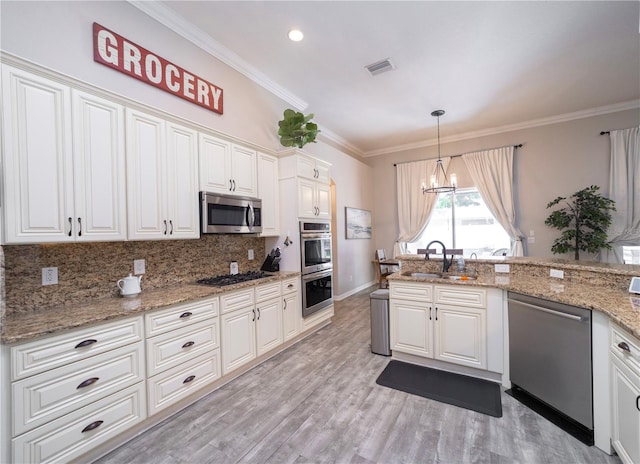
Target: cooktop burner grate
[[230, 279]]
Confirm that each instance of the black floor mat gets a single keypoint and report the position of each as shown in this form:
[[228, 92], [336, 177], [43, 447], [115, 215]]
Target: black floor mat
[[459, 390]]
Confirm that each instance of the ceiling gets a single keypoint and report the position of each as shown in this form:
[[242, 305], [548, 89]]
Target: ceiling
[[492, 66]]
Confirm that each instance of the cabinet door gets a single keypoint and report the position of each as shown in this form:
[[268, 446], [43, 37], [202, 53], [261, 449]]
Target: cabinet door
[[269, 325], [291, 312], [411, 328], [99, 172], [238, 338], [215, 164], [243, 170], [306, 198], [323, 201], [461, 335], [182, 182], [146, 189], [268, 191], [323, 173], [37, 158], [625, 390], [306, 167]]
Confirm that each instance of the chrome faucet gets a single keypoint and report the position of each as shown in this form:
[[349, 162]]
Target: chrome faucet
[[445, 264], [475, 270]]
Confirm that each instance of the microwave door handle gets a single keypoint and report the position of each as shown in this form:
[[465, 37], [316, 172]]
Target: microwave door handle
[[251, 216]]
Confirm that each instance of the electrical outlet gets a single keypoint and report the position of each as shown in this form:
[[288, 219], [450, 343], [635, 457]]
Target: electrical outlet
[[138, 266], [557, 273], [49, 276], [251, 257], [502, 268]]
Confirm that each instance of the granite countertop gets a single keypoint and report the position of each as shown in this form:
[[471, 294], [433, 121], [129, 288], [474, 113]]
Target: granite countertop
[[622, 307], [25, 326]]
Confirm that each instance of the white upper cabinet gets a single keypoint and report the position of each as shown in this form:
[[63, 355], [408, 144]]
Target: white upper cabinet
[[227, 168], [314, 169], [313, 179], [60, 187], [162, 179], [269, 192]]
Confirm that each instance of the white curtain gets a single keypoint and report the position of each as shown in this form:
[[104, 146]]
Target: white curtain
[[492, 174], [414, 207], [624, 189]]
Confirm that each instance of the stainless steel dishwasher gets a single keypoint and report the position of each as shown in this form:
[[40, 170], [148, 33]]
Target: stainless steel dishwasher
[[550, 360]]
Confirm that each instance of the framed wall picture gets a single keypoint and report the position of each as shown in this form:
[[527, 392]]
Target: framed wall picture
[[357, 223]]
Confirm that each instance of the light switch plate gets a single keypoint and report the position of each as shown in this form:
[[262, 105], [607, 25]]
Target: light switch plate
[[502, 268], [557, 273], [233, 267], [250, 255], [138, 266]]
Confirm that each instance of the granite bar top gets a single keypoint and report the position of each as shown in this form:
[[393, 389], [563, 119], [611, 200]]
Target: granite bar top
[[621, 307], [25, 326]]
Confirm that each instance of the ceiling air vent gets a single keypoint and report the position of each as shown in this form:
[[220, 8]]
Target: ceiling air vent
[[380, 67]]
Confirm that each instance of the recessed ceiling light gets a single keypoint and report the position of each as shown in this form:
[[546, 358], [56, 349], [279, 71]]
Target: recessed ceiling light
[[296, 35]]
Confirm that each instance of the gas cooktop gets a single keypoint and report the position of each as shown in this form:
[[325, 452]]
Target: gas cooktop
[[230, 279]]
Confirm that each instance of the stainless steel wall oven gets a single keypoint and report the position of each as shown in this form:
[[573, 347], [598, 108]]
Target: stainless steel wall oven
[[316, 265]]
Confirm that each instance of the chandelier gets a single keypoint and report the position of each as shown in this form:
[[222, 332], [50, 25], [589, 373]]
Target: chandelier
[[439, 182]]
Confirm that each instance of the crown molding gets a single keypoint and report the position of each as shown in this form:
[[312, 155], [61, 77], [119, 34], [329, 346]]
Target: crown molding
[[624, 106], [170, 19], [329, 136]]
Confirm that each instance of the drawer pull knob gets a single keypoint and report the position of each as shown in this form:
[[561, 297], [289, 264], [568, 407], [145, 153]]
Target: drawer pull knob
[[88, 342], [92, 425], [624, 347], [188, 344], [191, 378], [187, 314], [88, 382]]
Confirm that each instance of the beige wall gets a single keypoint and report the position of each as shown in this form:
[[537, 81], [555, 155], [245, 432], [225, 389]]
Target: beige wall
[[555, 160]]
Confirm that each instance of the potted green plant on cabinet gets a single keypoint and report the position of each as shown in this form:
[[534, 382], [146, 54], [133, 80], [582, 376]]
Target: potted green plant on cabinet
[[296, 129], [584, 221]]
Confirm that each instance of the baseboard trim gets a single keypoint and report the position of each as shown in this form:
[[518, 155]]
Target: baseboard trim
[[342, 296]]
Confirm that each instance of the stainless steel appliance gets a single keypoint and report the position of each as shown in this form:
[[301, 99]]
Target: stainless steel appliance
[[317, 266], [315, 246], [226, 214], [551, 361]]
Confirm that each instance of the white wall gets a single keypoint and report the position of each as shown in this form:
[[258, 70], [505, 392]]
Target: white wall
[[555, 160]]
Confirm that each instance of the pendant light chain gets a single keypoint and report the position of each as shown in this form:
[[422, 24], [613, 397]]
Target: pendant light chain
[[434, 187]]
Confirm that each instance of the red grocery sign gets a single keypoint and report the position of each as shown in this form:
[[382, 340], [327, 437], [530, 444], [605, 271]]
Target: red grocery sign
[[123, 55]]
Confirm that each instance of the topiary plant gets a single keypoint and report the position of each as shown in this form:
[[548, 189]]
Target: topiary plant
[[296, 129], [585, 220]]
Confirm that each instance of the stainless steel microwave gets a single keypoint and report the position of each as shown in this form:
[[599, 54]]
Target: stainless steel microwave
[[226, 214]]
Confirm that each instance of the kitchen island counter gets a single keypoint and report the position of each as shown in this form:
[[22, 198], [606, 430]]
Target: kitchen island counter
[[24, 326]]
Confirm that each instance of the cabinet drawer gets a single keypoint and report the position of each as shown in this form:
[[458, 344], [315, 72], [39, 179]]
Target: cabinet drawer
[[454, 295], [49, 395], [47, 353], [411, 291], [236, 300], [171, 386], [175, 317], [268, 291], [620, 341], [173, 348], [290, 285], [65, 439]]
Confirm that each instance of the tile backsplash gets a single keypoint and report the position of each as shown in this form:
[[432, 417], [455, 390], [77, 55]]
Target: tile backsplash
[[91, 270]]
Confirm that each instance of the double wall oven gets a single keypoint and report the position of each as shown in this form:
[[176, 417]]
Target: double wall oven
[[317, 266]]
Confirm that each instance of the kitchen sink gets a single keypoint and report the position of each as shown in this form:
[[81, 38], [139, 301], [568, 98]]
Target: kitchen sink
[[434, 275]]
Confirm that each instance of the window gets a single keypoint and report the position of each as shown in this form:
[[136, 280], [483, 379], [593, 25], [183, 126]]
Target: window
[[474, 228], [631, 254]]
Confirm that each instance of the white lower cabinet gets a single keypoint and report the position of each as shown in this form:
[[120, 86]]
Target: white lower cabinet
[[76, 433], [184, 352], [625, 395], [74, 391], [455, 324], [291, 308], [268, 325], [238, 338]]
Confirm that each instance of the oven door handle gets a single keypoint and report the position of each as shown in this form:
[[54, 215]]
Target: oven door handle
[[316, 275], [251, 216]]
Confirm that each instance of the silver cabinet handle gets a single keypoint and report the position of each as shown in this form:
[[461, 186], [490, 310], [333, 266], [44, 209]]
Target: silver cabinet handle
[[234, 185], [91, 426], [285, 305], [230, 185], [79, 227], [70, 226], [165, 227], [258, 309], [88, 382], [254, 315], [188, 344], [191, 378], [171, 224], [429, 312]]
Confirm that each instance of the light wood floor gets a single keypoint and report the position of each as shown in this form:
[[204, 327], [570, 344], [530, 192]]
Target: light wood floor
[[318, 402]]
